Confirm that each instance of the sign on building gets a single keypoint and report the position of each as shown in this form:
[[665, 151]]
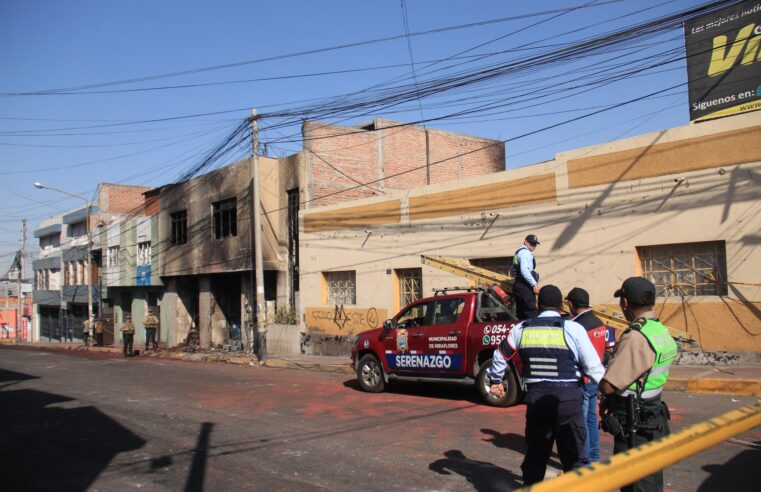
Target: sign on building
[[724, 62]]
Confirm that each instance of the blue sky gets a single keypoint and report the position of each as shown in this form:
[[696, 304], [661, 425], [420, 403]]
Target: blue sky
[[74, 141]]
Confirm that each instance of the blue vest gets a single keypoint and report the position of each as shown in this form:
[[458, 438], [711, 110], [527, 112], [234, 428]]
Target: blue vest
[[544, 351], [515, 271]]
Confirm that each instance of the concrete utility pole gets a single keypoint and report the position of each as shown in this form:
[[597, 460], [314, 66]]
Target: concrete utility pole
[[19, 303], [259, 333]]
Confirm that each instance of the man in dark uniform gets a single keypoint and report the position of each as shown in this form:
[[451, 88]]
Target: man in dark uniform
[[578, 302], [555, 353], [638, 369], [526, 285]]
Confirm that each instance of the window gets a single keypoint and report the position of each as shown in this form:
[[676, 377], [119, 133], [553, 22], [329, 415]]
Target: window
[[500, 264], [447, 310], [413, 316], [81, 270], [112, 256], [410, 285], [225, 218], [144, 253], [67, 277], [342, 287], [179, 227], [690, 269]]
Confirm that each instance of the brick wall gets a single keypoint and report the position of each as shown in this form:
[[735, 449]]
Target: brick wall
[[392, 157], [121, 199]]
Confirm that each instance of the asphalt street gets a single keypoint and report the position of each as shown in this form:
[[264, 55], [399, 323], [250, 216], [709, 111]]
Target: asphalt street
[[91, 421]]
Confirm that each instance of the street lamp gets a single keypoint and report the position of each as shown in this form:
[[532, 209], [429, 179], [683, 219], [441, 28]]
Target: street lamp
[[89, 252]]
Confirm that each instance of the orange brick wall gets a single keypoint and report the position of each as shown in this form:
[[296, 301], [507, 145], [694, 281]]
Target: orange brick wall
[[379, 156], [120, 199]]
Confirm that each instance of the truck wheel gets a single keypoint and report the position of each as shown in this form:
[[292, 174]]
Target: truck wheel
[[370, 374], [510, 382]]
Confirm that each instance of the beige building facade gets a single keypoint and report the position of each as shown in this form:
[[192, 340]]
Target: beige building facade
[[681, 206]]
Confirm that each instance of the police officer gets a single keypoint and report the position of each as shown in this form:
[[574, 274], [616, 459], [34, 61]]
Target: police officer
[[554, 352], [638, 369], [128, 333], [526, 284], [98, 332], [151, 324], [578, 303], [87, 330]]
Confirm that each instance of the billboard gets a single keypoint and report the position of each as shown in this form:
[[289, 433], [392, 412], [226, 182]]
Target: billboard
[[724, 62]]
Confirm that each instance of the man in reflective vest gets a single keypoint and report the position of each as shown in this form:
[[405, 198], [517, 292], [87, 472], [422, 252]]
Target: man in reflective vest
[[555, 353], [526, 285], [578, 302], [639, 367]]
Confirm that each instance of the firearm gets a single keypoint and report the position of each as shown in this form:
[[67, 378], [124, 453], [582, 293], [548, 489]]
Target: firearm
[[630, 426]]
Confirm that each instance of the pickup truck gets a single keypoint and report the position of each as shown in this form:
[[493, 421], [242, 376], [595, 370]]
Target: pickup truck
[[449, 337]]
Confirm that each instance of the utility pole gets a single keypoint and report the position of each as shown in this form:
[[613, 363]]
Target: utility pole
[[259, 341], [19, 302]]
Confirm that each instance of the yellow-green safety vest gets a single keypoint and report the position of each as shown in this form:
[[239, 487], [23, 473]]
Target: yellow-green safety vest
[[665, 348]]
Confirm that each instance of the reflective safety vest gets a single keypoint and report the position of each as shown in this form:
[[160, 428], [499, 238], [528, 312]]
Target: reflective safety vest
[[665, 348], [544, 351]]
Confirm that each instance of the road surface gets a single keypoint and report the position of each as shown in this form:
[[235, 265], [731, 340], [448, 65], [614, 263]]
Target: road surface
[[87, 421]]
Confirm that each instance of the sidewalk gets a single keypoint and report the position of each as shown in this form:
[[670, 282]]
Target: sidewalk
[[728, 380]]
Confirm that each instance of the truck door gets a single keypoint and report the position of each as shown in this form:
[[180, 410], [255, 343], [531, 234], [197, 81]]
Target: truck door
[[443, 342], [403, 342]]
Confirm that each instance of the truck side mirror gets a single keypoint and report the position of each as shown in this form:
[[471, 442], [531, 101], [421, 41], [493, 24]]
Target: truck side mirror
[[389, 325]]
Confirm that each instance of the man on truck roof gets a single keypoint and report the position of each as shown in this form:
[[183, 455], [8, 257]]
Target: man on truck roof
[[526, 285]]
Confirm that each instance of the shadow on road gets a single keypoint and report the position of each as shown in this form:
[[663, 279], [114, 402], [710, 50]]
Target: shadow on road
[[52, 448], [484, 476], [515, 442], [738, 474], [201, 453], [444, 391]]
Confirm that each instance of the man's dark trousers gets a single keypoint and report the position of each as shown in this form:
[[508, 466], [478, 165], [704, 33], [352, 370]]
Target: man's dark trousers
[[553, 414], [525, 300], [150, 339], [652, 415], [128, 339]]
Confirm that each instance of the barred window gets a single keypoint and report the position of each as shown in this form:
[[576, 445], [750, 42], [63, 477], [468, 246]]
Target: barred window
[[690, 269], [499, 264], [225, 218], [342, 287], [144, 253], [179, 227], [410, 285], [112, 256]]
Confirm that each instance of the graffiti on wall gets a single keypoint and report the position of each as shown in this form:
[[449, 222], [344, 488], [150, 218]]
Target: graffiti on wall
[[340, 320]]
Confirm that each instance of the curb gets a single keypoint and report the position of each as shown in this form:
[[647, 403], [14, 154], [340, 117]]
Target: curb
[[736, 387], [288, 364]]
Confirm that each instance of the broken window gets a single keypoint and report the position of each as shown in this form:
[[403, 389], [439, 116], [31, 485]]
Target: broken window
[[689, 269], [499, 264], [179, 227], [112, 256], [144, 253], [225, 218]]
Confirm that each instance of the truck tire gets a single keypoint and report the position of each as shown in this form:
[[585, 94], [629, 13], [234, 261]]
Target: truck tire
[[370, 374], [510, 382]]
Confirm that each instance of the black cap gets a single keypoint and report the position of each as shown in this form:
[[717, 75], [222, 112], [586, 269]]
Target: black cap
[[637, 290], [532, 239], [578, 297], [550, 296]]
